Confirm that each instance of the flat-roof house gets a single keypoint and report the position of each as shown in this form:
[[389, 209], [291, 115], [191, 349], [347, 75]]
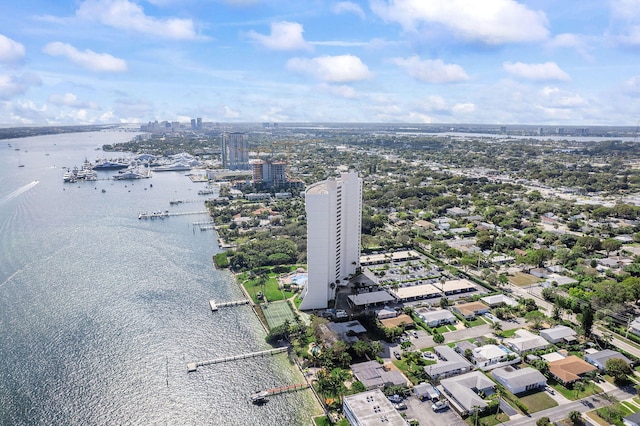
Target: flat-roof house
[[374, 375], [397, 321], [463, 391], [525, 341], [471, 309], [425, 391], [519, 380], [491, 356], [570, 369], [368, 298], [452, 287], [416, 292], [436, 318], [450, 363], [499, 299], [386, 312], [371, 408], [599, 359], [559, 333]]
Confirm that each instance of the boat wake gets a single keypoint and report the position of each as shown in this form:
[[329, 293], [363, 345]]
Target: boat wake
[[9, 279], [18, 191]]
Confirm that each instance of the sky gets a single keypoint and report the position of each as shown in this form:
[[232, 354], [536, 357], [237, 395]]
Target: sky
[[546, 62]]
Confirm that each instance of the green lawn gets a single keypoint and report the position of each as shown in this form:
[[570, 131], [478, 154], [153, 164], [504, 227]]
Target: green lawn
[[590, 389], [490, 420], [522, 280], [270, 289], [476, 322], [509, 333], [538, 401]]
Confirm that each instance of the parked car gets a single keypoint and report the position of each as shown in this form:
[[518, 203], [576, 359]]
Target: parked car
[[396, 399], [397, 355], [550, 390], [414, 334], [439, 406], [428, 355], [400, 406]]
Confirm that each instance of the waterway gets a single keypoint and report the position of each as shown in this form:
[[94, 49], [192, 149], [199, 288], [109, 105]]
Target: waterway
[[100, 312]]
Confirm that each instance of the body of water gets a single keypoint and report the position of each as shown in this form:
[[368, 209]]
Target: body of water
[[100, 312]]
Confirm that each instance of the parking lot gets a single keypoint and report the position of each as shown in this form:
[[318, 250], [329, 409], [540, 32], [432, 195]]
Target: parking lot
[[422, 412]]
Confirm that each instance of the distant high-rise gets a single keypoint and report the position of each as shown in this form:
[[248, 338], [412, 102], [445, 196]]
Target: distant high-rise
[[270, 173], [334, 219], [199, 122], [235, 151], [193, 123]]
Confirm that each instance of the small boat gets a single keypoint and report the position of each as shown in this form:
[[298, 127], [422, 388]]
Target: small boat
[[104, 190], [259, 397]]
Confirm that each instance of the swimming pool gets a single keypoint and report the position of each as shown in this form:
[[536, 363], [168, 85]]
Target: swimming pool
[[299, 278]]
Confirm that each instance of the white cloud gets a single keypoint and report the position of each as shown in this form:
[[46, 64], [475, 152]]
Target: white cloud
[[487, 21], [432, 70], [71, 100], [335, 69], [465, 108], [10, 50], [571, 41], [284, 36], [348, 7], [13, 85], [541, 72], [556, 98], [88, 59], [127, 15], [229, 113], [626, 20], [342, 90]]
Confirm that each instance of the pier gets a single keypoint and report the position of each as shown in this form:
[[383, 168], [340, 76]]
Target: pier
[[193, 366], [259, 396], [162, 215], [214, 306]]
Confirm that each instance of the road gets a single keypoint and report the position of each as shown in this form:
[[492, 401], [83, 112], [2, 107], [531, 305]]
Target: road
[[586, 404]]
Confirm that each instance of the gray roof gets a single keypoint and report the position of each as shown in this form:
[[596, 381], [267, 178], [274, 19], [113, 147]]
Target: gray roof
[[602, 357], [449, 361], [558, 332], [440, 314], [464, 389], [518, 377], [371, 407], [372, 374]]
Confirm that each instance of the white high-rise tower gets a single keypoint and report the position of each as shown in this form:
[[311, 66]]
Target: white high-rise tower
[[334, 218]]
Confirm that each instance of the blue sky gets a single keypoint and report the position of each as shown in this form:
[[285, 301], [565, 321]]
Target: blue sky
[[564, 62]]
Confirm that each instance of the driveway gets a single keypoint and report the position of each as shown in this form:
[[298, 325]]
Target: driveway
[[422, 412]]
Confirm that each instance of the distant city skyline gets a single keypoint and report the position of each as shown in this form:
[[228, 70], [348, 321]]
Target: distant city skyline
[[538, 62]]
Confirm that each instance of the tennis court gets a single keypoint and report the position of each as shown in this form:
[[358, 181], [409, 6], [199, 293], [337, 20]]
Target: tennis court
[[276, 313]]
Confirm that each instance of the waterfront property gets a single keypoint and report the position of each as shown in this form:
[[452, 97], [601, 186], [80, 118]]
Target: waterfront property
[[371, 408], [334, 216], [374, 375]]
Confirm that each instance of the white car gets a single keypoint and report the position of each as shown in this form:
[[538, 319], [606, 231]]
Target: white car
[[439, 406]]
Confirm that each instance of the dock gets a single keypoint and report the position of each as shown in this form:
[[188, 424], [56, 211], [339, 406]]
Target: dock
[[259, 396], [215, 306], [162, 215], [193, 366]]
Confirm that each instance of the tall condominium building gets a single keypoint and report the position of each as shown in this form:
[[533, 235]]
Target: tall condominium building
[[269, 173], [334, 218], [235, 151]]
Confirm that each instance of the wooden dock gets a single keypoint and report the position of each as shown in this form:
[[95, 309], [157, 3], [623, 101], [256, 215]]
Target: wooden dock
[[166, 213], [193, 366], [259, 396], [215, 306]]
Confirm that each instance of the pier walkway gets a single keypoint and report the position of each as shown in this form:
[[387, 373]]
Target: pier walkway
[[215, 306], [193, 366], [162, 215], [259, 396]]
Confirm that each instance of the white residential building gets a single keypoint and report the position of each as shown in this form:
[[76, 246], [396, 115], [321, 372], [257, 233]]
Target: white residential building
[[235, 150], [334, 217]]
